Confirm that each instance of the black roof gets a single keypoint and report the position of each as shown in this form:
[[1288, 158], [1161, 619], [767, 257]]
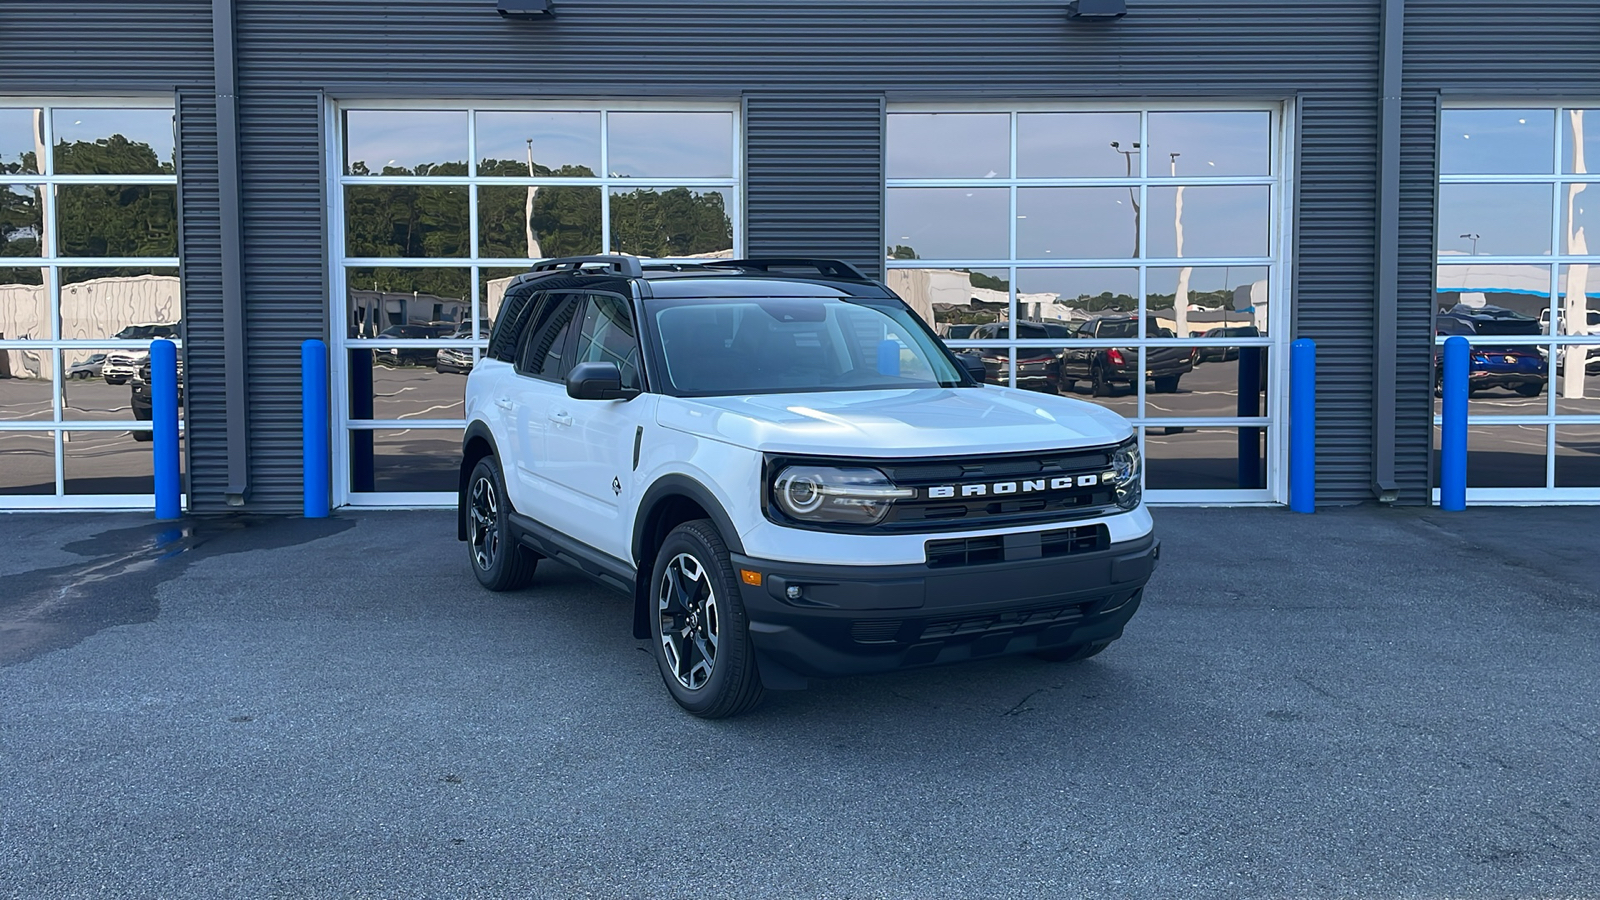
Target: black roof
[[758, 277]]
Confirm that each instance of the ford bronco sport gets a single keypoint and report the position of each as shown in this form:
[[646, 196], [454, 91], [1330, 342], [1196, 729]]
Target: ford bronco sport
[[791, 476]]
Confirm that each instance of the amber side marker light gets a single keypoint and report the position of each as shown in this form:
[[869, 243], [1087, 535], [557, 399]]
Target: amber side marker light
[[750, 577]]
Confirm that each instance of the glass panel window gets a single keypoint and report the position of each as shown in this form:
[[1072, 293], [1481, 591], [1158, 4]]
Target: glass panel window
[[1185, 458], [27, 463], [24, 307], [1214, 302], [87, 395], [21, 220], [948, 145], [1077, 145], [954, 301], [1577, 456], [1206, 382], [124, 304], [108, 462], [1072, 296], [1209, 144], [538, 144], [24, 389], [948, 223], [1495, 219], [21, 137], [538, 222], [407, 304], [674, 222], [399, 383], [1506, 456], [1492, 299], [1577, 223], [1496, 141], [113, 141], [1077, 223], [408, 221], [117, 220], [1216, 221], [406, 460], [405, 142], [1582, 138], [670, 144]]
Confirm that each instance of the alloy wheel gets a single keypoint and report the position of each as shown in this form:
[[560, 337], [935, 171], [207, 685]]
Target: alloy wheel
[[687, 607], [483, 523]]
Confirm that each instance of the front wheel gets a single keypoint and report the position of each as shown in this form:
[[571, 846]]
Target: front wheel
[[499, 562], [1100, 384], [698, 626]]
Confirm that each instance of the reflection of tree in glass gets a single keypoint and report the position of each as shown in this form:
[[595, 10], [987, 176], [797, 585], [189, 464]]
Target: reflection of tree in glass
[[19, 232], [675, 222], [415, 221], [110, 219], [565, 220], [901, 251], [989, 282]]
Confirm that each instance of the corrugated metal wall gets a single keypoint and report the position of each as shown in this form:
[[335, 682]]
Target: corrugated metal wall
[[106, 47], [200, 247]]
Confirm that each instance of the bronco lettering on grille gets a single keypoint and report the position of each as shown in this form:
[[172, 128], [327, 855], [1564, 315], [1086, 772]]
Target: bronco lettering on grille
[[1029, 486]]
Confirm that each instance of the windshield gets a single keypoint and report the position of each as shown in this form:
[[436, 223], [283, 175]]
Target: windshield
[[717, 347]]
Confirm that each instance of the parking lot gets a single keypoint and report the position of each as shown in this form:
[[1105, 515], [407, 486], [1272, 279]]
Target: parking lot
[[1361, 703]]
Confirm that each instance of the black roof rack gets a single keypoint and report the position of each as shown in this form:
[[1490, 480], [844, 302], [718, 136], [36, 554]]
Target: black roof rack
[[626, 266], [830, 268]]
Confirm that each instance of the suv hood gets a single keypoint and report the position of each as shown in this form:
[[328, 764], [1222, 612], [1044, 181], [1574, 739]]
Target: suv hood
[[895, 423]]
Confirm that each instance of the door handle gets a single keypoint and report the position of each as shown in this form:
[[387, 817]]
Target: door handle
[[504, 403], [561, 418]]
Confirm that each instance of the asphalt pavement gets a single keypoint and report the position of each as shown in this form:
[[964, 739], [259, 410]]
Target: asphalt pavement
[[1361, 703]]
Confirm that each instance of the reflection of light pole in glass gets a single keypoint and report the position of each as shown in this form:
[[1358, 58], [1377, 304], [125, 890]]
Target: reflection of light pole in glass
[[1133, 192], [1474, 239], [1180, 299], [1576, 308], [534, 250]]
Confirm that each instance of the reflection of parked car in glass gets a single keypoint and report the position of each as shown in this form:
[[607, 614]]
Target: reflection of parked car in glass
[[412, 356], [1517, 367], [457, 359], [139, 395], [1593, 353], [1225, 354], [957, 332], [1036, 366], [89, 368], [121, 365], [1104, 367]]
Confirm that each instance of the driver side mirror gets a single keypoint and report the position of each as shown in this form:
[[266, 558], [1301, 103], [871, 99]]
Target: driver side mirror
[[973, 364], [598, 381]]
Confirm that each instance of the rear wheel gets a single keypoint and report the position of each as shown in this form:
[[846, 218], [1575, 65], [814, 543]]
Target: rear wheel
[[1101, 386], [1072, 652], [701, 636], [1530, 390], [500, 563]]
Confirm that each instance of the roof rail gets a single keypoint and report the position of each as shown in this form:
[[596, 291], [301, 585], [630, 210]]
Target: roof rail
[[626, 266], [831, 268]]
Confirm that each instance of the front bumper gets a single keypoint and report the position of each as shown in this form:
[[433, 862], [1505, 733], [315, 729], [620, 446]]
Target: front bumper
[[861, 619]]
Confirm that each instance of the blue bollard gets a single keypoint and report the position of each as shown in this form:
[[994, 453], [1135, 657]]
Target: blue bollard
[[1303, 426], [314, 427], [1453, 431], [164, 428]]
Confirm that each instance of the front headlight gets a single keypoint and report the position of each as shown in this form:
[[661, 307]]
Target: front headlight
[[1128, 467], [824, 494]]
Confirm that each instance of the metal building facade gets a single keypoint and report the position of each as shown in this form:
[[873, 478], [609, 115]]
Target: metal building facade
[[814, 80]]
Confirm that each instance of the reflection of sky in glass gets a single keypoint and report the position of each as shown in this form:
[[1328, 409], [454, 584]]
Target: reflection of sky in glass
[[1589, 126], [1496, 141], [141, 126], [16, 138], [1210, 143], [1204, 280], [948, 145], [950, 223], [1509, 219], [1077, 145], [404, 138], [1070, 284], [1217, 221], [1076, 223], [671, 144], [559, 138]]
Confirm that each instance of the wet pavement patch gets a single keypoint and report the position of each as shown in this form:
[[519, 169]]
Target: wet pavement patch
[[55, 608]]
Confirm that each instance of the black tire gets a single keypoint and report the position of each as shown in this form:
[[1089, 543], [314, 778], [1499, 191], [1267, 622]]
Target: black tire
[[1530, 390], [500, 563], [1167, 384], [706, 658], [1072, 652], [1100, 386]]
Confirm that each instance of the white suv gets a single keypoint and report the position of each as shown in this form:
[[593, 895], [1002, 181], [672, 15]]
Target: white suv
[[791, 476]]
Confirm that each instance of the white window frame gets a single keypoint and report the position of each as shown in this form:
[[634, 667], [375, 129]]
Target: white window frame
[[342, 424], [1549, 495], [53, 262], [1277, 262]]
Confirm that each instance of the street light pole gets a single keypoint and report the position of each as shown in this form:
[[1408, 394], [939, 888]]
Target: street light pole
[[1474, 239], [1133, 192]]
